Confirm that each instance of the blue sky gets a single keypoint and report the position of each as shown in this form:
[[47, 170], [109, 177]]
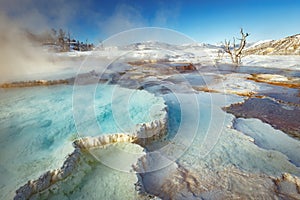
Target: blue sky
[[208, 21]]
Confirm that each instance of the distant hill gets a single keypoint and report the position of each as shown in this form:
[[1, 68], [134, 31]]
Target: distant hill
[[286, 46]]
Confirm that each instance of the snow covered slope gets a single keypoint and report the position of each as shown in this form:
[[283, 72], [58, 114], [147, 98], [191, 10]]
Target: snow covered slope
[[286, 46]]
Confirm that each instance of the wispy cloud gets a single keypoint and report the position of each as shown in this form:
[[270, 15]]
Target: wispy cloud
[[166, 15], [124, 17], [38, 15]]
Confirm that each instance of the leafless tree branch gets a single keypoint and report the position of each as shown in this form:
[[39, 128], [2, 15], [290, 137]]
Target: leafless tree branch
[[234, 52]]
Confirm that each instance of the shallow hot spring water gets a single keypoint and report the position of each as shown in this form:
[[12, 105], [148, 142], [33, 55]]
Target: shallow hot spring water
[[37, 125]]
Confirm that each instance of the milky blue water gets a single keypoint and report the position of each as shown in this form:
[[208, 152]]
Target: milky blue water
[[38, 124]]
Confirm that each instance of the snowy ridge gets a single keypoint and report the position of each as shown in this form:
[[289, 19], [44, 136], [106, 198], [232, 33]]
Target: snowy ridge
[[258, 43], [286, 46]]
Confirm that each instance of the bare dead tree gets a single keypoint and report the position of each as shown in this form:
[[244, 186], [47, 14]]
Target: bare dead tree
[[236, 52]]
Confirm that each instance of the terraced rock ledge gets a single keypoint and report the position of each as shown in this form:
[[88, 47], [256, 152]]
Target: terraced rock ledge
[[146, 133]]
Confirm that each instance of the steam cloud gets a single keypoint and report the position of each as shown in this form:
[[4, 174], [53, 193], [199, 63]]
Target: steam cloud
[[19, 56]]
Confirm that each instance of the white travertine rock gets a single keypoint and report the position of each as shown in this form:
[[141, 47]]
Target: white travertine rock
[[159, 177], [49, 178], [288, 185], [145, 134], [105, 140]]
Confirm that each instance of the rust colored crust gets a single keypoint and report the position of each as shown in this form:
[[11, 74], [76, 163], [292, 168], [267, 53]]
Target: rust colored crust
[[205, 89], [186, 67], [33, 83], [270, 112], [243, 94], [260, 79], [182, 67]]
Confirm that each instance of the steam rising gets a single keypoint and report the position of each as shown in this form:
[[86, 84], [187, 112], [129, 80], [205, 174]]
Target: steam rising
[[19, 56]]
